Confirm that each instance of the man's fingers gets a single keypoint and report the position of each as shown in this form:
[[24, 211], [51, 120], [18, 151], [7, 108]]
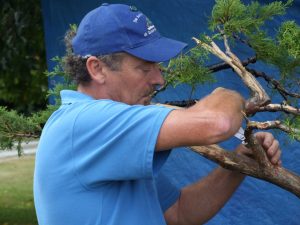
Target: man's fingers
[[274, 153], [276, 158], [271, 145], [273, 148], [266, 139]]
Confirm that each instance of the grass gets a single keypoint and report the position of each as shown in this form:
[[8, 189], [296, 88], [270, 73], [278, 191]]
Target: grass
[[16, 198]]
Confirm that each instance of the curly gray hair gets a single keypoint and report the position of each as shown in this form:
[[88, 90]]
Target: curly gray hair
[[75, 66]]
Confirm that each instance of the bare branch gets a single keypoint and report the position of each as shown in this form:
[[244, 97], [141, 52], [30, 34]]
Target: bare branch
[[280, 107], [222, 66], [243, 164], [235, 36], [258, 152], [20, 135], [275, 83], [183, 103], [275, 124], [259, 96], [227, 47]]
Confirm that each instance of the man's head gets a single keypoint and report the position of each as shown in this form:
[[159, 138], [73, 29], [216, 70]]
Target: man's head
[[113, 44], [132, 83]]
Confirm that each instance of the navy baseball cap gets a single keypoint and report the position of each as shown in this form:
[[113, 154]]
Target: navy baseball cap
[[114, 28]]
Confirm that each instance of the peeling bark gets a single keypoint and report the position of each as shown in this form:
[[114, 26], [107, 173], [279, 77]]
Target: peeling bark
[[243, 164], [259, 95]]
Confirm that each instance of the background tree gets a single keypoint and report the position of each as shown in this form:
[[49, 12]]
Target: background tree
[[232, 24], [23, 85]]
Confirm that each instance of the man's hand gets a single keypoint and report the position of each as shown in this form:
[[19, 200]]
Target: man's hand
[[270, 145]]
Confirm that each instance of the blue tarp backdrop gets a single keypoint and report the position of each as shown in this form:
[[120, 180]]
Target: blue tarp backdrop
[[256, 202]]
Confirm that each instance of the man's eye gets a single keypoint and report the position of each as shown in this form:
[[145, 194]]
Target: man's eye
[[145, 70]]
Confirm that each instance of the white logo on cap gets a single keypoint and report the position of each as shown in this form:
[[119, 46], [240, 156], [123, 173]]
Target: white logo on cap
[[136, 19], [150, 27]]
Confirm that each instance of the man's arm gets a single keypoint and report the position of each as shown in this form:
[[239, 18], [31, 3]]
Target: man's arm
[[201, 201], [213, 119]]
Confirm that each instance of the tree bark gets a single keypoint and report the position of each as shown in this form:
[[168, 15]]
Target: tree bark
[[243, 164], [259, 166], [259, 96]]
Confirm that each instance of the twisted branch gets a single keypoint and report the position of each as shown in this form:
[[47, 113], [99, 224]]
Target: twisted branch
[[275, 83], [259, 96], [279, 107], [275, 124], [258, 152], [243, 164], [222, 66]]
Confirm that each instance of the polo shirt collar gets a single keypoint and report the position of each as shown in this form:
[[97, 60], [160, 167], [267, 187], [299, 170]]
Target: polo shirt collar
[[69, 97]]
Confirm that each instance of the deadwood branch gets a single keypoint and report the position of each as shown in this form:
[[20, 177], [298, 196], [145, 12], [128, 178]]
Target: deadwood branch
[[243, 164], [280, 107], [259, 96], [276, 84], [275, 124]]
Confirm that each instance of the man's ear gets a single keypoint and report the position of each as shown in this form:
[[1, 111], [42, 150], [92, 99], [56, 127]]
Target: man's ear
[[96, 69]]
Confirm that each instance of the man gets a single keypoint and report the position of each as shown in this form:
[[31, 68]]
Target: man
[[100, 154]]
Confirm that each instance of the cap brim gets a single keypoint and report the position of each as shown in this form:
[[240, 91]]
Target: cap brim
[[160, 50]]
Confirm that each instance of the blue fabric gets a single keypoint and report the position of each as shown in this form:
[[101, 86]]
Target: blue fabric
[[133, 32], [256, 202], [95, 164]]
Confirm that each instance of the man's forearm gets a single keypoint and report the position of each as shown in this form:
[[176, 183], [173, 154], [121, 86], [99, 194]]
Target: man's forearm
[[201, 201]]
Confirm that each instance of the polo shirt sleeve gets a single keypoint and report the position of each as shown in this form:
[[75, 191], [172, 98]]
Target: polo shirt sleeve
[[113, 141]]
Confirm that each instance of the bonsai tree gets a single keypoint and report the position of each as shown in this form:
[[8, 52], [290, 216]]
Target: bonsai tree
[[232, 24]]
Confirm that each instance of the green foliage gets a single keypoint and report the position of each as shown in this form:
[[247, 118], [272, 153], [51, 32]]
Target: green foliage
[[293, 122], [189, 68], [58, 71], [282, 51], [235, 17], [15, 128], [289, 38], [228, 13], [23, 86]]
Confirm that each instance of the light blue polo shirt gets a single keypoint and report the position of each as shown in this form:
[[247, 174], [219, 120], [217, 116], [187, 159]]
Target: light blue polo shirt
[[96, 165]]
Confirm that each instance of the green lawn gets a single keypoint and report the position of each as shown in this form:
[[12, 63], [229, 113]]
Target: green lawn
[[16, 198]]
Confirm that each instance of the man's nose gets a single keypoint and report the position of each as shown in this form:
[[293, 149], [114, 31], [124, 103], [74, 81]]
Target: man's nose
[[157, 76]]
